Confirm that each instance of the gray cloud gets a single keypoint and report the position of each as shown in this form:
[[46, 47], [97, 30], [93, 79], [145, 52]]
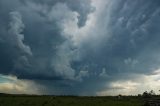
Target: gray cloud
[[15, 36], [74, 45]]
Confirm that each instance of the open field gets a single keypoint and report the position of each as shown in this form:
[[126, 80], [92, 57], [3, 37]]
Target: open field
[[24, 100]]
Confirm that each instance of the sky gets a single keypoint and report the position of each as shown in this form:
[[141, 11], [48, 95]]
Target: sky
[[79, 47]]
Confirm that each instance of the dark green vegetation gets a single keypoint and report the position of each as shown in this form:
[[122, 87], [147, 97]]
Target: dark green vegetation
[[25, 100]]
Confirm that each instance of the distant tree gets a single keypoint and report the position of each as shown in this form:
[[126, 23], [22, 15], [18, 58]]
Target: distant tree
[[119, 96], [152, 93], [148, 94]]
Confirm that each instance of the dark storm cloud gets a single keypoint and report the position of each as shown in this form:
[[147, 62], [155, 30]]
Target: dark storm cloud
[[21, 35], [132, 45], [133, 38], [70, 46], [83, 7]]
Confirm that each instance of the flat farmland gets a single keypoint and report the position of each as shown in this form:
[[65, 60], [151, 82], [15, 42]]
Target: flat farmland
[[24, 100]]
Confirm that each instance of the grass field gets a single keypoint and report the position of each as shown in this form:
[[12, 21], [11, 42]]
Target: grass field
[[16, 100]]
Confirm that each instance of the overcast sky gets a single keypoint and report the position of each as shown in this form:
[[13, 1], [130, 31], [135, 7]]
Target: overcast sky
[[79, 47]]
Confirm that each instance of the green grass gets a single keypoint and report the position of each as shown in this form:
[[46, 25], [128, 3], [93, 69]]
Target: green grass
[[68, 101]]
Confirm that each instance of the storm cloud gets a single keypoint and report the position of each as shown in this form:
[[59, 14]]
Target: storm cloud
[[69, 46]]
